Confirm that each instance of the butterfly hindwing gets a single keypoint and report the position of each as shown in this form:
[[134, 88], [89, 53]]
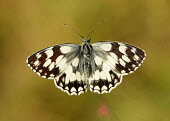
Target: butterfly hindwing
[[72, 81], [104, 79]]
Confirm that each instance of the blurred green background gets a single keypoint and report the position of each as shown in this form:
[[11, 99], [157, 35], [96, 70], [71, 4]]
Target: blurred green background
[[27, 26]]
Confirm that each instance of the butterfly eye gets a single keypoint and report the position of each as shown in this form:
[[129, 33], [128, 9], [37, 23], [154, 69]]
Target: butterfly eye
[[88, 41]]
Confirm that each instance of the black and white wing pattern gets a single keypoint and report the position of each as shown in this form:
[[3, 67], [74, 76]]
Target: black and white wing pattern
[[99, 66], [112, 61], [61, 63]]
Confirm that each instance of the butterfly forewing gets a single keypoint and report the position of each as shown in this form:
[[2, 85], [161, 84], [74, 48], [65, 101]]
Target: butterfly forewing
[[51, 61], [122, 58], [104, 79]]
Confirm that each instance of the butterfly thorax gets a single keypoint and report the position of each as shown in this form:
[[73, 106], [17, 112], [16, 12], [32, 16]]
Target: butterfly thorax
[[86, 50]]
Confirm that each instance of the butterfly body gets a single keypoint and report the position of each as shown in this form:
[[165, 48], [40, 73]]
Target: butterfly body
[[87, 57], [99, 66]]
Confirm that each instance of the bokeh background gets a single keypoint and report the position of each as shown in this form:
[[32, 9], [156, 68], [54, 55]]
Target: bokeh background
[[27, 26]]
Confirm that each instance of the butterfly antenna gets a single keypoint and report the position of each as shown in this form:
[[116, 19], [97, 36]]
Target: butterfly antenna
[[74, 30], [95, 27]]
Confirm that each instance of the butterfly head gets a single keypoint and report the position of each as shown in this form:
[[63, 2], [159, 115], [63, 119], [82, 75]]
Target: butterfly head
[[86, 40]]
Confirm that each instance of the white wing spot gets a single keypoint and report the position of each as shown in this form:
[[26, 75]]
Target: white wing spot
[[72, 77], [110, 85], [98, 60], [65, 49], [66, 88], [61, 64], [136, 57], [106, 47], [85, 86], [125, 58], [75, 62], [133, 65], [108, 76], [47, 63], [122, 44], [91, 79], [106, 67], [73, 89], [103, 75], [38, 73], [80, 89], [133, 50], [83, 77], [112, 61], [114, 56], [116, 81], [123, 71], [91, 86], [51, 66], [36, 67], [49, 53], [97, 75], [38, 55], [97, 91], [104, 91], [61, 85], [73, 93], [36, 62], [43, 76], [122, 49], [78, 77], [80, 92], [122, 62], [112, 76], [58, 59], [68, 70], [31, 68], [40, 70], [52, 75], [31, 62], [67, 79], [96, 88], [104, 88]]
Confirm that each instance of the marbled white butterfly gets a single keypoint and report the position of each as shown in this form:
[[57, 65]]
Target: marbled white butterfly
[[99, 66]]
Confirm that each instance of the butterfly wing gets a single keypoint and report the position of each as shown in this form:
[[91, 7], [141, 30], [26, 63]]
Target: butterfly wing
[[112, 61], [61, 63], [50, 62], [73, 80], [104, 79], [123, 58]]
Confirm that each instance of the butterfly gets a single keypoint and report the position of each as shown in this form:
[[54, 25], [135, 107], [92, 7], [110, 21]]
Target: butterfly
[[75, 68]]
